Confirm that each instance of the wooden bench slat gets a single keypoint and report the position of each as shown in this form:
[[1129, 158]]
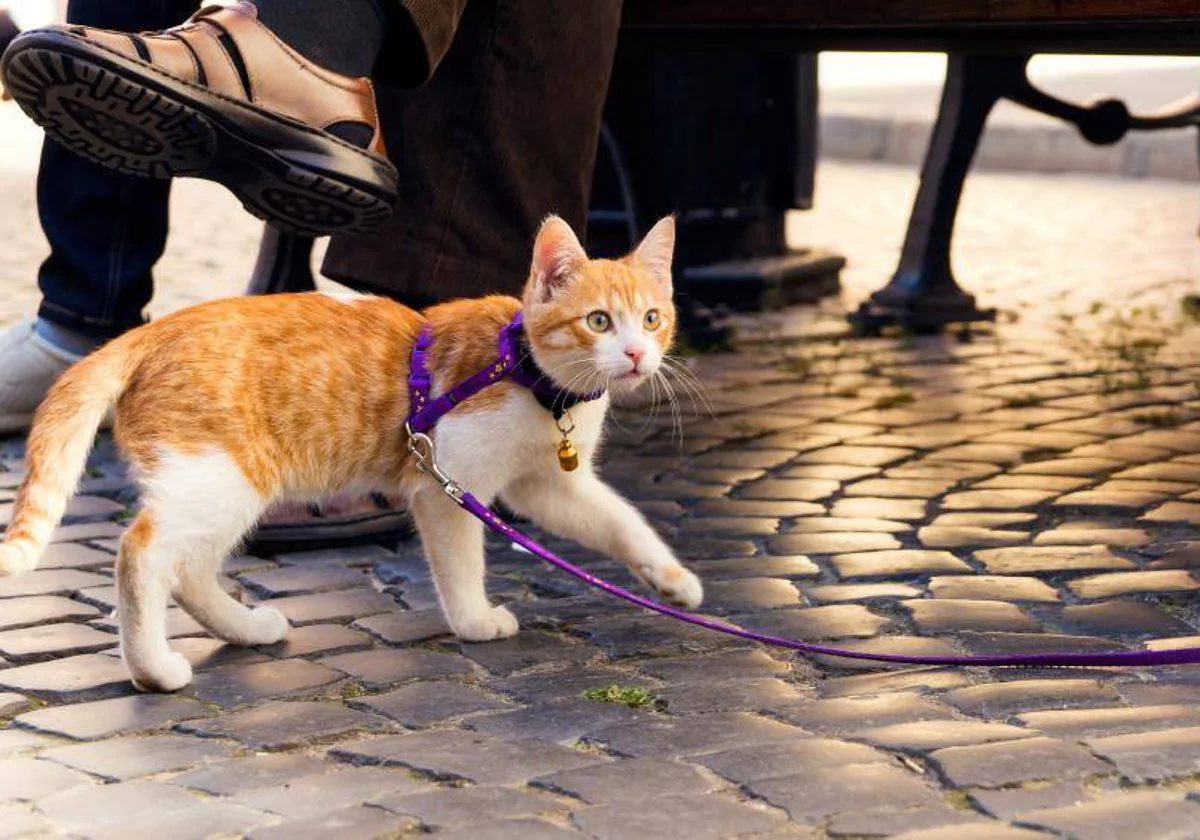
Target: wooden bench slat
[[890, 13]]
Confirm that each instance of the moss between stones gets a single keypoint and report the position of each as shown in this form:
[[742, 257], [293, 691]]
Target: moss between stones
[[893, 400], [632, 696], [351, 690]]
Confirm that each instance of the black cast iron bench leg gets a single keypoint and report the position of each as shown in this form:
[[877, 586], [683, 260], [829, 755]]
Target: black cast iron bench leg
[[923, 294]]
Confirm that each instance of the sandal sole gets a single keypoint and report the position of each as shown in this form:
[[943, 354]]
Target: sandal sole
[[129, 116]]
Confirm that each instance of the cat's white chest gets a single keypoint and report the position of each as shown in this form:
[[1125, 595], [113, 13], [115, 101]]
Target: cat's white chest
[[518, 438]]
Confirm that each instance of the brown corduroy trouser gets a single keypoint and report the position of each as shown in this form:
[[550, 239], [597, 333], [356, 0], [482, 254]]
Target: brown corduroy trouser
[[503, 133]]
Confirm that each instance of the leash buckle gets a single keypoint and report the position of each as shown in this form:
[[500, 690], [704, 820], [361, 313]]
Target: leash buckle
[[420, 446]]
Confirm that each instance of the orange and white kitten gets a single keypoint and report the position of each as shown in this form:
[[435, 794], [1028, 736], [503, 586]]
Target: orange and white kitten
[[231, 406]]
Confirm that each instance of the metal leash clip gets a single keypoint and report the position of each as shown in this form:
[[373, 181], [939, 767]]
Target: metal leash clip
[[420, 445]]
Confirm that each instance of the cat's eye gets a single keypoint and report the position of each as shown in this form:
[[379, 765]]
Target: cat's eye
[[652, 320], [599, 321]]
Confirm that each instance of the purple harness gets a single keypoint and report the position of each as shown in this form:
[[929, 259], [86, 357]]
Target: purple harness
[[516, 364]]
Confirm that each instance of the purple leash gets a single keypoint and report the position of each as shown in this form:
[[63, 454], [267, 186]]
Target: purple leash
[[476, 508], [424, 413]]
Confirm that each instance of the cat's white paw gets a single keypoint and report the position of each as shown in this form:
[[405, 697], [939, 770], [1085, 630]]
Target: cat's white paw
[[496, 623], [270, 626], [676, 584], [171, 675], [13, 561]]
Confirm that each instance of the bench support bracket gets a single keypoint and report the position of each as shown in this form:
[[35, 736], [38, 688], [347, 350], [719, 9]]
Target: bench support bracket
[[923, 295]]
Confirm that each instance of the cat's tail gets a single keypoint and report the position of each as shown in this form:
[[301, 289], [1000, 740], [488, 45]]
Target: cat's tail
[[64, 429]]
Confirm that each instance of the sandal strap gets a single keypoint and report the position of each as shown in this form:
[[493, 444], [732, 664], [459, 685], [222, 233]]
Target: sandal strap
[[229, 52]]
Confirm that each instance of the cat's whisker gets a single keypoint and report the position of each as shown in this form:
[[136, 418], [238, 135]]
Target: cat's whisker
[[688, 380], [655, 402], [686, 373], [672, 401], [672, 376]]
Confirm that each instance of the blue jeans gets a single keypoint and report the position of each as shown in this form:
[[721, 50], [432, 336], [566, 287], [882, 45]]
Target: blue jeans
[[106, 230]]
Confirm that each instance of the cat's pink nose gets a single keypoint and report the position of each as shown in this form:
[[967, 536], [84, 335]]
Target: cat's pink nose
[[634, 354]]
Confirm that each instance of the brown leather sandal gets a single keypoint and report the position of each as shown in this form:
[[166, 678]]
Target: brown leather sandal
[[334, 524], [221, 98]]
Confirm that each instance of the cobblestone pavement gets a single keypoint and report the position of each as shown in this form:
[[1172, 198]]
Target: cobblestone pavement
[[1036, 487]]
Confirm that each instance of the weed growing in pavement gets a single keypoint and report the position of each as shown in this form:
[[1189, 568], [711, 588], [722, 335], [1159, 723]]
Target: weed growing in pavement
[[895, 400], [351, 690], [1123, 345], [635, 697], [1159, 419], [800, 365], [825, 369], [1023, 401]]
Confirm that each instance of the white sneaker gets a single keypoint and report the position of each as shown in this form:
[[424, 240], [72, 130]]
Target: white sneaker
[[29, 365]]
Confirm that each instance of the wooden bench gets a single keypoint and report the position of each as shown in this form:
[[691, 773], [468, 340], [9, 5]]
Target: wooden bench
[[989, 43]]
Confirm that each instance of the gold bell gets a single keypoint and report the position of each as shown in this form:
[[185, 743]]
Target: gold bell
[[568, 458]]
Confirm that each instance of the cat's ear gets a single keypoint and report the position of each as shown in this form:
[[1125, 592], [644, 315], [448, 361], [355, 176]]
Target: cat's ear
[[557, 255], [656, 251]]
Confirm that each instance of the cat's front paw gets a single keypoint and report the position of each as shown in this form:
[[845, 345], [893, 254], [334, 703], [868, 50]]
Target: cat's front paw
[[676, 584], [171, 674], [496, 623], [270, 626]]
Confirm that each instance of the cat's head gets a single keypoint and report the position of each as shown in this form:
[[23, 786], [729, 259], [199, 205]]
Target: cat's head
[[600, 323]]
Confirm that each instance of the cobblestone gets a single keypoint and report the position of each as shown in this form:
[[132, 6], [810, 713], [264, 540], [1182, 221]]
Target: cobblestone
[[40, 609], [30, 779], [1029, 759], [474, 756], [840, 621], [421, 704], [1000, 700], [988, 587], [1119, 817], [673, 737], [1025, 560], [237, 685], [121, 759], [75, 678], [564, 721], [702, 817], [947, 614], [857, 713], [242, 774], [1152, 756], [1069, 722], [1032, 497], [504, 829], [355, 821], [899, 563], [921, 736], [311, 796], [382, 667], [629, 781], [279, 725], [33, 644], [808, 799], [144, 807]]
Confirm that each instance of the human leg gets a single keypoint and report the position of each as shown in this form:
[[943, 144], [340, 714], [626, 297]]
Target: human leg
[[503, 134], [105, 232]]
